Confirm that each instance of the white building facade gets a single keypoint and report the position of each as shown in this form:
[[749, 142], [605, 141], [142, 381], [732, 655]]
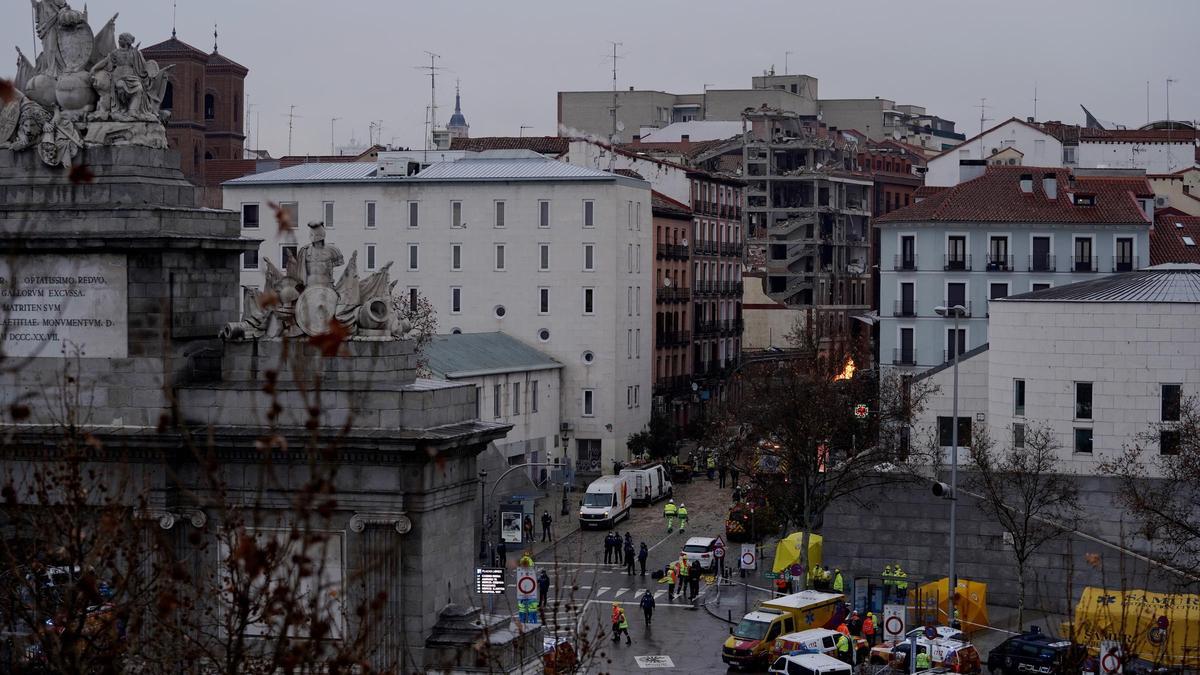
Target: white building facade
[[557, 256]]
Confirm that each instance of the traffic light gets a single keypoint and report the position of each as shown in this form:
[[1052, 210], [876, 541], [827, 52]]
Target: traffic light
[[943, 490]]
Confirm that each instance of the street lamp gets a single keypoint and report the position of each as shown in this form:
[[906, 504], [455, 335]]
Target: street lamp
[[483, 547], [954, 311], [565, 441]]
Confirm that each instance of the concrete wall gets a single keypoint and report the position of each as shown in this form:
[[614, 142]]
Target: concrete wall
[[1172, 187], [589, 112], [766, 323], [972, 400], [534, 433], [1153, 157]]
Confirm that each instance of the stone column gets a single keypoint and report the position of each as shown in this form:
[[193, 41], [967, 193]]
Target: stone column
[[379, 573]]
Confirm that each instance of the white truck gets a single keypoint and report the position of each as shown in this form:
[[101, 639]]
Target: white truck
[[607, 500], [650, 483]]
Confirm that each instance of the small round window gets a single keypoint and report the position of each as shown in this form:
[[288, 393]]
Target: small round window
[[589, 357], [499, 311], [544, 335]]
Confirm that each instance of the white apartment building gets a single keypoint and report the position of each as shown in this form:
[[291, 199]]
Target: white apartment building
[[556, 255], [1102, 364]]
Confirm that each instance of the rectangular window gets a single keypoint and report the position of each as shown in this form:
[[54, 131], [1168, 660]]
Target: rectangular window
[[1039, 286], [456, 214], [516, 398], [286, 253], [250, 216], [1083, 440], [589, 213], [412, 299], [637, 300], [638, 258], [638, 216], [543, 301], [629, 301], [478, 402], [997, 290], [1019, 398], [370, 257], [589, 407], [629, 217], [499, 214], [370, 215], [589, 257], [629, 343], [497, 397], [956, 294], [328, 214], [1018, 435], [1123, 256], [543, 214], [589, 298], [637, 390], [1083, 400], [1168, 441], [629, 257], [533, 395], [637, 344], [499, 257], [544, 257], [455, 300], [946, 431], [1172, 396], [629, 397], [956, 253], [953, 346], [414, 259], [414, 214], [456, 257], [250, 259]]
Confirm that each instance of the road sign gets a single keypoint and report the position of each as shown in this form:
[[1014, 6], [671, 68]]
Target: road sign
[[719, 552], [771, 575], [893, 622], [489, 580], [797, 570], [748, 558], [861, 410], [526, 584]]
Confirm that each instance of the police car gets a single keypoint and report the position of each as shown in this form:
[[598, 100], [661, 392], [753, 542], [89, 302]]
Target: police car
[[1033, 652], [954, 656], [808, 664]]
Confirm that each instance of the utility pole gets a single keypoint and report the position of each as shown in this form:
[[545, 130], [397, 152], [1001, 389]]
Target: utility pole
[[1170, 163], [332, 148], [612, 137], [291, 115], [433, 69]]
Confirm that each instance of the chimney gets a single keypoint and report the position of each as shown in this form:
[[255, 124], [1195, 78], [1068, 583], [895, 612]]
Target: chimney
[[969, 169], [685, 138], [637, 139], [1027, 183], [631, 87], [1050, 186]]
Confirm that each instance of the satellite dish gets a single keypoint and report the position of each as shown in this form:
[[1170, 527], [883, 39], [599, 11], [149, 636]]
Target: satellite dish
[[620, 126], [667, 282]]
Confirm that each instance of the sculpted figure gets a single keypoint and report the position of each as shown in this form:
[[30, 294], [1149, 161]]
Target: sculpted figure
[[314, 262], [129, 86]]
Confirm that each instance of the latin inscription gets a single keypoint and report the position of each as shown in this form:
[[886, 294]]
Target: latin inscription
[[60, 305]]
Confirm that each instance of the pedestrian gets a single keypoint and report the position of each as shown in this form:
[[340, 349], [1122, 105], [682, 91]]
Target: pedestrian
[[672, 579], [694, 578], [617, 549], [526, 560], [721, 471], [737, 493], [608, 548], [781, 586], [669, 512], [843, 648], [839, 584], [923, 660], [546, 520], [855, 624], [733, 474], [901, 582], [889, 583], [647, 604], [629, 555], [620, 624], [643, 553], [628, 539], [527, 527], [683, 516], [682, 566], [710, 466], [502, 553], [543, 587], [868, 628]]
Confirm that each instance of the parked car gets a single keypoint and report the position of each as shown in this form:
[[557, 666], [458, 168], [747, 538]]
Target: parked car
[[882, 652], [702, 549], [952, 655], [1033, 652], [809, 664]]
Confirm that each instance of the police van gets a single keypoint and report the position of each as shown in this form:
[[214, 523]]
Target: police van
[[1033, 652], [809, 664]]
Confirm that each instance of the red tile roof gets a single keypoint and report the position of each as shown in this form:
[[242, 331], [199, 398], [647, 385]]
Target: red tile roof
[[664, 205], [1166, 238], [927, 191], [546, 145], [996, 196], [174, 48], [218, 60]]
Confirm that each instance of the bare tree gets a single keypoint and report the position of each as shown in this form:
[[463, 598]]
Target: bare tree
[[1025, 491]]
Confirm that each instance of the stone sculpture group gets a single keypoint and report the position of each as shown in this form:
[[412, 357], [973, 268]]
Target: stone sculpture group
[[83, 89]]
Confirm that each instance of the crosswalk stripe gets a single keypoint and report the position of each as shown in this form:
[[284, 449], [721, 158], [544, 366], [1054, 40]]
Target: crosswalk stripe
[[619, 592], [659, 594], [639, 591], [603, 590]]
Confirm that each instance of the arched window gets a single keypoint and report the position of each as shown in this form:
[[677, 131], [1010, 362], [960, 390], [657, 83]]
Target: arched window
[[196, 99], [237, 112], [168, 101], [210, 106]]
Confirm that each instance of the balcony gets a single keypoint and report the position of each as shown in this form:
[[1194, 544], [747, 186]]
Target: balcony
[[673, 338], [707, 328], [670, 294], [729, 288], [731, 249], [1041, 262], [904, 356], [673, 384], [958, 301], [1124, 263], [905, 263], [904, 308], [999, 263], [704, 247], [957, 262], [673, 251], [1084, 264]]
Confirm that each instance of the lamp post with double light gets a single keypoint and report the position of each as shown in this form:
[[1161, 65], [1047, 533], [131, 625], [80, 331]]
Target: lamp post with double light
[[950, 491]]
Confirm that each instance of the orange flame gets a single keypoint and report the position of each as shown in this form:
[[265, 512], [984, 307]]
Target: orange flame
[[847, 370]]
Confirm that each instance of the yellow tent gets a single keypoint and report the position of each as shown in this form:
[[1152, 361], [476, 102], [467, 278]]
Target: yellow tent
[[1160, 627], [971, 602], [787, 553]]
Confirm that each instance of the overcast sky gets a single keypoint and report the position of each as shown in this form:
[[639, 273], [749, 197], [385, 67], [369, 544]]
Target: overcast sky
[[358, 59]]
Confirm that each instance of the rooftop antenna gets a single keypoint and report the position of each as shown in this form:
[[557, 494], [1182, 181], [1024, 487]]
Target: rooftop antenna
[[612, 138], [1035, 100], [291, 115], [246, 122], [521, 132], [785, 61], [215, 38], [433, 68], [982, 118], [1170, 163], [1147, 102], [174, 16], [332, 148]]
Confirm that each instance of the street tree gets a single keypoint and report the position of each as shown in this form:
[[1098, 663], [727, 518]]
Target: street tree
[[1025, 490], [789, 426], [657, 441], [1159, 477]]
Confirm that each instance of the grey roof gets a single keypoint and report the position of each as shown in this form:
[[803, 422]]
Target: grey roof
[[1160, 283], [950, 364], [312, 171], [503, 165], [475, 354]]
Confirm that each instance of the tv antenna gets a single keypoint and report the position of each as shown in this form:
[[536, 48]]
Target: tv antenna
[[613, 111], [982, 119], [433, 69], [292, 116], [785, 61], [1170, 163], [332, 147], [1035, 100], [521, 131]]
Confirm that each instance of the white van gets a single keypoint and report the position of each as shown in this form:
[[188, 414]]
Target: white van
[[607, 500], [650, 483], [809, 664]]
